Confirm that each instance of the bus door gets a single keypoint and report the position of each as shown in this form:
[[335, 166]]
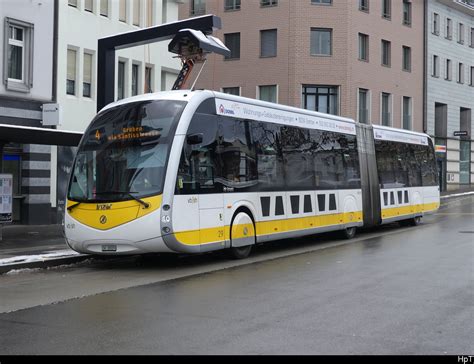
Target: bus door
[[211, 199]]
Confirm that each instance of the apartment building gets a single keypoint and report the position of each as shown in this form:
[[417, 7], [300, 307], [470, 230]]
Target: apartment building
[[360, 59], [138, 70], [450, 88], [27, 68]]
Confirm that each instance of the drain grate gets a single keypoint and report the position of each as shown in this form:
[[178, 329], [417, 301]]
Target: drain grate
[[466, 232]]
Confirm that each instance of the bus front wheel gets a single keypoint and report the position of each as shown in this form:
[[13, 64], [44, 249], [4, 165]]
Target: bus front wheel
[[242, 236]]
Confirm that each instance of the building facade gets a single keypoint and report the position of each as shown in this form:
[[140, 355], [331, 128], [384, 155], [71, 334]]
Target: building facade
[[360, 59], [49, 56], [138, 70], [26, 47], [450, 88]]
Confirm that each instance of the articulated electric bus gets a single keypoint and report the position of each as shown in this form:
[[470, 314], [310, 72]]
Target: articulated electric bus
[[197, 171]]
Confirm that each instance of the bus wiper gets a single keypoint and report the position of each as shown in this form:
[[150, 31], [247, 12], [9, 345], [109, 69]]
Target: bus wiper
[[128, 193], [73, 206], [145, 204]]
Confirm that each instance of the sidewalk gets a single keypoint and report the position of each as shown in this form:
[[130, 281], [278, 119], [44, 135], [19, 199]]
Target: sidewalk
[[34, 246], [40, 246]]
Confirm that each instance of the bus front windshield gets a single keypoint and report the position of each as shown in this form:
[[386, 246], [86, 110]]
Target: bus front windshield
[[123, 154]]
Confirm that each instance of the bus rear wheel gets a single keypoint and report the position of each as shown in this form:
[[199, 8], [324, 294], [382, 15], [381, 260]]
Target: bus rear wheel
[[349, 233], [242, 236], [414, 221]]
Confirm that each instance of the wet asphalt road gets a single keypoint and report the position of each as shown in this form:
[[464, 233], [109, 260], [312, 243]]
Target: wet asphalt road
[[400, 291]]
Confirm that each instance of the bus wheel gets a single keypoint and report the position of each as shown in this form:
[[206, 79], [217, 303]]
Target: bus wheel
[[242, 236], [349, 233], [415, 221], [240, 253]]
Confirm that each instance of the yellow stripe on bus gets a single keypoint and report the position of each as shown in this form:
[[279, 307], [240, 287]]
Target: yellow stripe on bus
[[211, 235], [407, 210], [216, 234]]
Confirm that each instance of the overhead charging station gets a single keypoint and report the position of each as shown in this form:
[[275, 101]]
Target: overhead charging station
[[191, 40]]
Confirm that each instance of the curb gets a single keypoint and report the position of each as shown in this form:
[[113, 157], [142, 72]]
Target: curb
[[47, 263], [457, 195]]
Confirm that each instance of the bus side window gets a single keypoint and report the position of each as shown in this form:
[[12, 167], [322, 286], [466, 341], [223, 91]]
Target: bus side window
[[298, 163], [237, 152], [200, 166], [270, 169]]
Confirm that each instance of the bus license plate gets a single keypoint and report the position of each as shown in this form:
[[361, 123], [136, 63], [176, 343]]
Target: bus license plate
[[109, 248]]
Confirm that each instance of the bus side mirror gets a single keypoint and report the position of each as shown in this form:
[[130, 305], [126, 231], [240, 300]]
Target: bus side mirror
[[194, 139]]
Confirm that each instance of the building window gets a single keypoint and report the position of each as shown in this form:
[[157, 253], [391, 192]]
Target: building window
[[407, 113], [386, 109], [465, 146], [230, 5], [71, 72], [471, 83], [465, 162], [149, 13], [123, 11], [460, 73], [448, 71], [363, 47], [18, 65], [435, 24], [364, 105], [386, 53], [268, 93], [88, 5], [232, 41], [449, 29], [435, 72], [321, 2], [148, 79], [72, 3], [321, 42], [406, 12], [231, 90], [364, 5], [104, 8], [321, 98], [16, 53], [198, 7], [461, 33], [87, 75], [471, 43], [135, 79], [136, 12], [265, 3], [268, 43], [386, 9], [406, 58], [121, 81]]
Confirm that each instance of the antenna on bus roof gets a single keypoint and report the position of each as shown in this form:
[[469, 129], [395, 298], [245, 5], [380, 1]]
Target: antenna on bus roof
[[192, 46]]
